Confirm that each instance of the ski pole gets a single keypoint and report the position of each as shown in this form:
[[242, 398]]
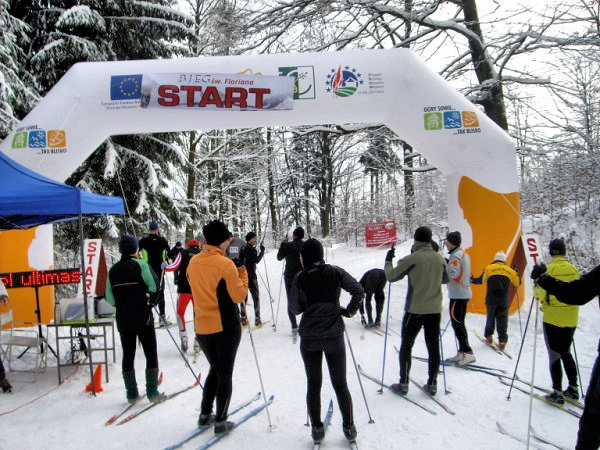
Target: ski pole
[[443, 365], [262, 386], [446, 327], [266, 285], [387, 320], [512, 382], [532, 377], [187, 363], [278, 300], [519, 312], [358, 375], [578, 372]]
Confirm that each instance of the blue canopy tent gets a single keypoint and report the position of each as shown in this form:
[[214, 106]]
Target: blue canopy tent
[[29, 199]]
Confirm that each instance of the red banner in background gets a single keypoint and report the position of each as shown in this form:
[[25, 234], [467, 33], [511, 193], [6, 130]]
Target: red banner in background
[[380, 233]]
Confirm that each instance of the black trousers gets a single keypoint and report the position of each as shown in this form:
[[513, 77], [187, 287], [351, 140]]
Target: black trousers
[[458, 311], [288, 287], [497, 315], [253, 290], [411, 325], [220, 350], [147, 338], [558, 342], [312, 351], [588, 437], [379, 301]]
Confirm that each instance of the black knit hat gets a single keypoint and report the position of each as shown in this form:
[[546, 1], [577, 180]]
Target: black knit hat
[[128, 245], [312, 252], [423, 234], [215, 233], [299, 232], [250, 235], [152, 225], [557, 247], [454, 238]]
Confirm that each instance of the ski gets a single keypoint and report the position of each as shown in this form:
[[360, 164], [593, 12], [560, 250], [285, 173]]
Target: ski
[[114, 418], [521, 439], [432, 397], [152, 405], [258, 327], [549, 391], [543, 399], [199, 431], [326, 421], [493, 345], [453, 364], [546, 441], [247, 416], [375, 380]]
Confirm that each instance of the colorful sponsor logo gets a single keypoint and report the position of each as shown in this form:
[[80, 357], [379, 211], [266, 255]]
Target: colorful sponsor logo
[[41, 139], [445, 118], [304, 80], [343, 82], [126, 87]]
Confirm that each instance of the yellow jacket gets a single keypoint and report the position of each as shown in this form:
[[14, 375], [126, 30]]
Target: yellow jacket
[[555, 312], [217, 287]]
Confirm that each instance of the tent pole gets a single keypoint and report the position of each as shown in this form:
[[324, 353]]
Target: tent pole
[[85, 305]]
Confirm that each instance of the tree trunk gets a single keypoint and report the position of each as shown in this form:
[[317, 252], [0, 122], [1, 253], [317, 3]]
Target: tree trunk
[[271, 181], [191, 183], [492, 96]]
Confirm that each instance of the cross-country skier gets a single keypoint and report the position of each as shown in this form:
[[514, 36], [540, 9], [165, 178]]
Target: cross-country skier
[[251, 258], [315, 292], [579, 292], [560, 322], [291, 252], [373, 282], [184, 291]]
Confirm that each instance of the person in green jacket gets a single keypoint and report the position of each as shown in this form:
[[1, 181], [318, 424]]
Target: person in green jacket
[[560, 321], [426, 272]]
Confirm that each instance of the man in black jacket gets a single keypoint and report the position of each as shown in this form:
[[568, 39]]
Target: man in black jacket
[[131, 288], [154, 250], [579, 292], [251, 258], [291, 252], [316, 293], [373, 282]]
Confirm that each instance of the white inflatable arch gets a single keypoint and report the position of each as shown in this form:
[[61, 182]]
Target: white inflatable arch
[[93, 101]]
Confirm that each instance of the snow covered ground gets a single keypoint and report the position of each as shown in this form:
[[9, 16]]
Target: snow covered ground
[[44, 415]]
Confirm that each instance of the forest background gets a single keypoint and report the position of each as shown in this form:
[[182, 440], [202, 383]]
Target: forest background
[[532, 67]]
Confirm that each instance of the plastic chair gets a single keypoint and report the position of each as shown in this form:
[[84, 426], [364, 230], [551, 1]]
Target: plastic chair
[[14, 335]]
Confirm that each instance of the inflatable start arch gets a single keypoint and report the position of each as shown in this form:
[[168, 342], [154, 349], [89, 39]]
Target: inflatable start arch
[[393, 87]]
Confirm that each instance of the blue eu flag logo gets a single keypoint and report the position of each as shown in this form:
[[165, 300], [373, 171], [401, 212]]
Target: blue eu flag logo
[[125, 87]]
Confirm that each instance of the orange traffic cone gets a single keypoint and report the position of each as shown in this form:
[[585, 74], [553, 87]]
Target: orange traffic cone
[[97, 380]]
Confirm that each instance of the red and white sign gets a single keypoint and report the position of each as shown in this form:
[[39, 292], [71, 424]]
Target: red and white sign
[[217, 91], [533, 251], [380, 233], [95, 269]]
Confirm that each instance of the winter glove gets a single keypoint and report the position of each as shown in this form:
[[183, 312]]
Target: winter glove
[[262, 248], [390, 254], [238, 262], [344, 312], [537, 271], [163, 265], [152, 298]]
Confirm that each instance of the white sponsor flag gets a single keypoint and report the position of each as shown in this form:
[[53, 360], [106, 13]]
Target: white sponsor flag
[[217, 91]]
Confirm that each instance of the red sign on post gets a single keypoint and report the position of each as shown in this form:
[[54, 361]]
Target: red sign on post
[[380, 233]]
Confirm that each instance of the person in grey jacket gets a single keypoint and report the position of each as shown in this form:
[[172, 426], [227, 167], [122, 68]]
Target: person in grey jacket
[[459, 292], [426, 271]]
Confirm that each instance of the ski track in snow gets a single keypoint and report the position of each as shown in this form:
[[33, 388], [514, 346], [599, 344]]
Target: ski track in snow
[[69, 418]]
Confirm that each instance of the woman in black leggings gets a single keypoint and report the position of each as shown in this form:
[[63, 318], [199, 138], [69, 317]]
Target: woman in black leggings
[[316, 293]]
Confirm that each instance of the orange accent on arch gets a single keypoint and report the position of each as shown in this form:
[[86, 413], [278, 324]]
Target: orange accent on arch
[[495, 222], [14, 257]]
